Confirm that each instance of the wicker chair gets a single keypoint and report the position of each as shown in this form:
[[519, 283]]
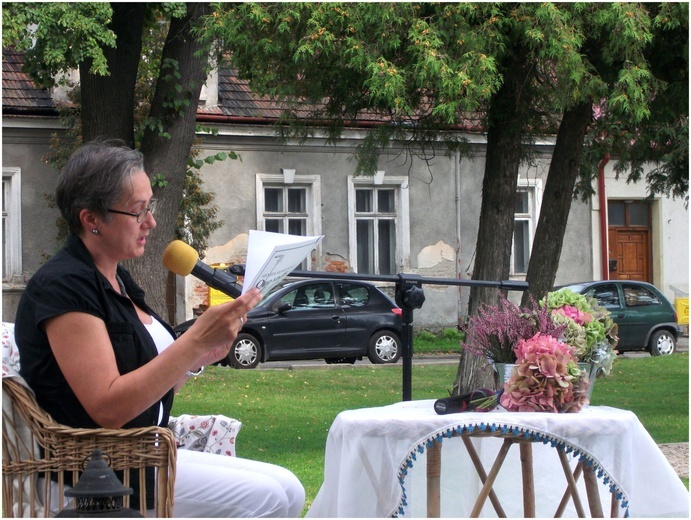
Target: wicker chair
[[25, 427]]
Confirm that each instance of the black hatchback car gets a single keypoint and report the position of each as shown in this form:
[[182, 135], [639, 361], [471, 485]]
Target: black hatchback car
[[646, 319], [335, 320]]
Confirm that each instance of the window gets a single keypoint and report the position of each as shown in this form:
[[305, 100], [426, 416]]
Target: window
[[11, 223], [524, 222], [353, 295], [285, 210], [315, 296], [378, 218], [294, 209], [637, 296], [606, 295], [628, 213]]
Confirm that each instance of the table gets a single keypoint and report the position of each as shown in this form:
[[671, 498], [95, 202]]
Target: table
[[376, 464]]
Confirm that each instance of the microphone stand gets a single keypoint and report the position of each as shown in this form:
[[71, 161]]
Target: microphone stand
[[410, 296]]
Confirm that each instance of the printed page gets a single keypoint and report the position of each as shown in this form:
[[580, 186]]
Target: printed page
[[272, 256]]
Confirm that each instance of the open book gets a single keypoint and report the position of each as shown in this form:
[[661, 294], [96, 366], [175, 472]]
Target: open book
[[272, 256]]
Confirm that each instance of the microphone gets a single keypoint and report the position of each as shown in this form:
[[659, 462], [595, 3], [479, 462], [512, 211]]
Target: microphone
[[182, 259]]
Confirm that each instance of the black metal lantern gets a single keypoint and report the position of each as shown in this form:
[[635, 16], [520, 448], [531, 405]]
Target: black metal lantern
[[98, 493]]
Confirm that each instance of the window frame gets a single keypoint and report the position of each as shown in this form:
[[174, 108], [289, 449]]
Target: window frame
[[402, 218], [534, 188], [312, 185], [12, 215]]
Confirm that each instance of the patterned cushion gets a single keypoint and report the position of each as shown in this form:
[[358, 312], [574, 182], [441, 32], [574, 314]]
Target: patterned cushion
[[10, 353], [207, 433]]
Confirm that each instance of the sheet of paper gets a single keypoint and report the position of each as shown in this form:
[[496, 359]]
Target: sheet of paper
[[272, 256]]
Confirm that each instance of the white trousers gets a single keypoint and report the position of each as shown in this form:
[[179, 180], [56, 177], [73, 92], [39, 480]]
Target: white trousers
[[209, 485], [216, 486]]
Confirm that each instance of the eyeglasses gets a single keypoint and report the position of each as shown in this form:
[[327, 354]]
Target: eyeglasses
[[141, 215]]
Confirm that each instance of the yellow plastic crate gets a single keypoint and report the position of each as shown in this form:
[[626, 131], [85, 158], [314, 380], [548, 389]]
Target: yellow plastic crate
[[682, 307], [217, 297]]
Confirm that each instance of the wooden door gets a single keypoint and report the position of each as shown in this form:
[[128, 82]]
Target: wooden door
[[630, 248]]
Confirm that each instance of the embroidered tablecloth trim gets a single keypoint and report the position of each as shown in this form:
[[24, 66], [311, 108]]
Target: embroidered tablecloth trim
[[531, 434]]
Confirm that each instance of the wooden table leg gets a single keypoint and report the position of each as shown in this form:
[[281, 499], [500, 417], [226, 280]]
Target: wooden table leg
[[491, 478], [567, 493], [433, 480], [483, 476], [593, 492], [572, 489], [526, 450]]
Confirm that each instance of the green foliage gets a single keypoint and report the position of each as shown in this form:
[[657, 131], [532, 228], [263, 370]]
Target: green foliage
[[452, 334], [445, 342], [645, 117], [419, 66], [159, 181], [67, 34], [57, 36]]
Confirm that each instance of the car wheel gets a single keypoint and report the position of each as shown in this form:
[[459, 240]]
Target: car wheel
[[662, 343], [245, 352], [384, 347]]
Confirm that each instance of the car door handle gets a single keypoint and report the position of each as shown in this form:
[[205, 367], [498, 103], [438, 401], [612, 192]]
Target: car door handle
[[335, 317], [621, 315]]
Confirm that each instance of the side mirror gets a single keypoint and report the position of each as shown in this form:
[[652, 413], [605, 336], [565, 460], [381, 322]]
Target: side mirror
[[282, 307]]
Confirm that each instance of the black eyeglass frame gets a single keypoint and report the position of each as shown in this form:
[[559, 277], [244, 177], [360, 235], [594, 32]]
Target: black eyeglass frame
[[140, 216]]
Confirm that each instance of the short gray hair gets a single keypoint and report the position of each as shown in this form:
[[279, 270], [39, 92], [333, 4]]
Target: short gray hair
[[94, 179]]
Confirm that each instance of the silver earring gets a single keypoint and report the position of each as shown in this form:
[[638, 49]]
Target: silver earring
[[94, 231]]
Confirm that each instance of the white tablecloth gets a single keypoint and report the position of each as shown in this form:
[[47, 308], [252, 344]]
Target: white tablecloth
[[375, 462]]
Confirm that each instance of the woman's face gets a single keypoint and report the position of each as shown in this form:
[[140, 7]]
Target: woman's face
[[123, 236]]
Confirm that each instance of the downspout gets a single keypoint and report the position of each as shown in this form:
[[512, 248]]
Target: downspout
[[459, 273], [604, 246]]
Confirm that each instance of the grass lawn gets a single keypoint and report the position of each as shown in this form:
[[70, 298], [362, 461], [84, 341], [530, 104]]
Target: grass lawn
[[286, 414]]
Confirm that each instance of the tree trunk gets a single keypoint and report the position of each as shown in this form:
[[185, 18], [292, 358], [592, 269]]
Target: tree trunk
[[506, 120], [556, 201], [167, 156], [107, 102]]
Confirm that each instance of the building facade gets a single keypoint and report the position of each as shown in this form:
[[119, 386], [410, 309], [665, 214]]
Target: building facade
[[414, 216]]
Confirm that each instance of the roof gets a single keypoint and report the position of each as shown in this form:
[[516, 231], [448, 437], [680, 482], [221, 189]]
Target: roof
[[19, 93], [236, 102]]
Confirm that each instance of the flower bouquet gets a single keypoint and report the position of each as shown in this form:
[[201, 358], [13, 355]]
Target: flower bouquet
[[588, 328], [545, 342], [546, 378]]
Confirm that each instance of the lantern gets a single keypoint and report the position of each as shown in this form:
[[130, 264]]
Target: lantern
[[98, 493]]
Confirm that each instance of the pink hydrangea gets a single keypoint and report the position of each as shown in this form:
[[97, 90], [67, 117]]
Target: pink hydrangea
[[546, 378], [541, 344], [575, 314]]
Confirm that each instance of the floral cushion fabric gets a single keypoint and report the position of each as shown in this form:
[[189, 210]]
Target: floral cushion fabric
[[207, 433], [10, 353]]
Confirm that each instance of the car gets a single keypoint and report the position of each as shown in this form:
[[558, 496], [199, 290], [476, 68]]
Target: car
[[332, 319], [646, 319]]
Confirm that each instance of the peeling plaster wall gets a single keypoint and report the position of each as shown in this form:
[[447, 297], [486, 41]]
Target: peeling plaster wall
[[438, 261]]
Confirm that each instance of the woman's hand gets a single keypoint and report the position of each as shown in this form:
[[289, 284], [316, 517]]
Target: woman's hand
[[218, 326]]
